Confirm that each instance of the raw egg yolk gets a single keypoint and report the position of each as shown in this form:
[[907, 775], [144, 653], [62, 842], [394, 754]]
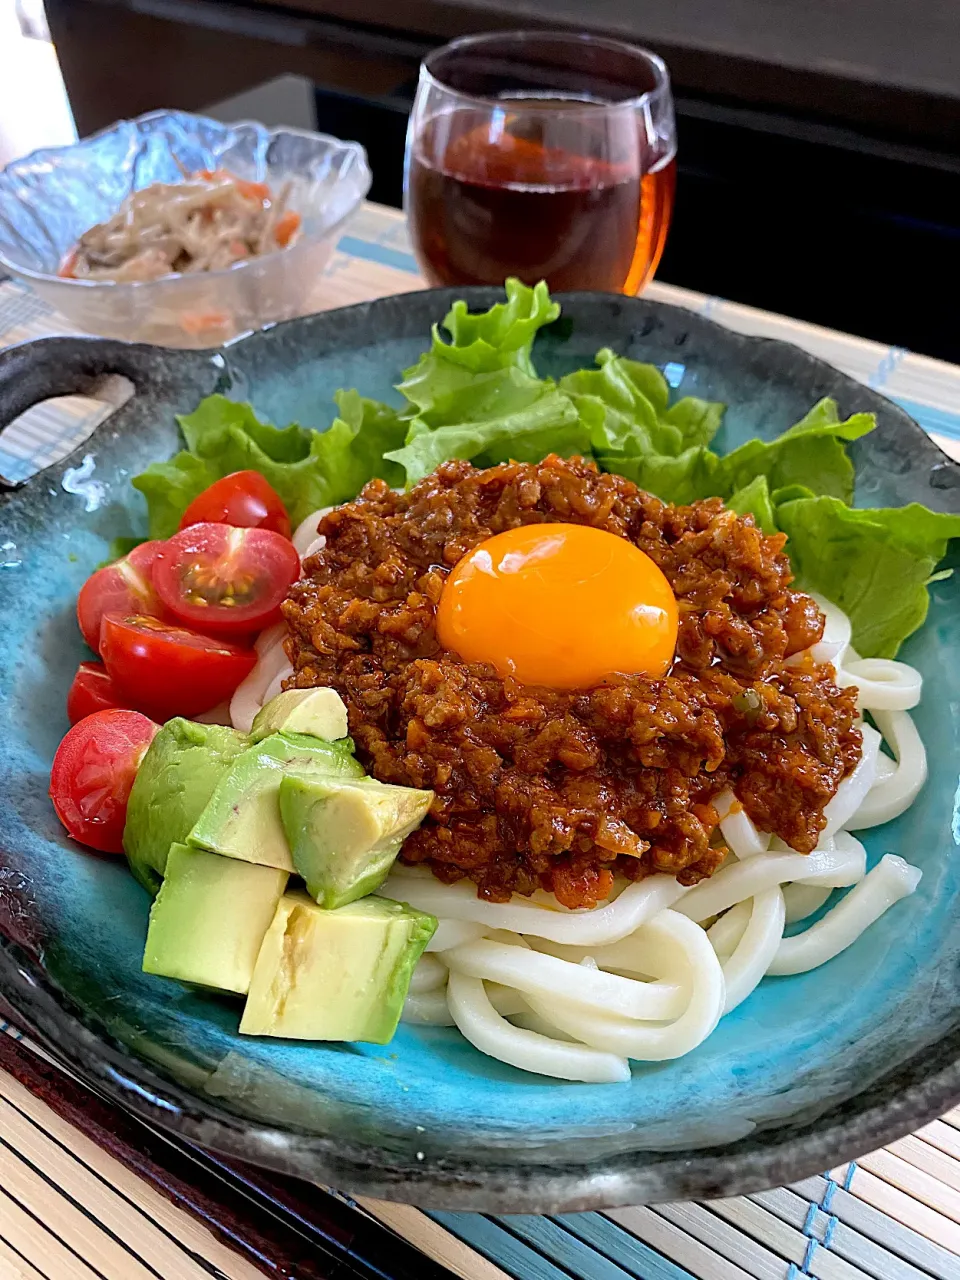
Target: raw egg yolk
[[561, 605]]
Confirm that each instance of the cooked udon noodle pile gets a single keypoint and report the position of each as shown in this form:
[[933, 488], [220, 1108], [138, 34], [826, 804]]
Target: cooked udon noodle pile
[[577, 993], [208, 222]]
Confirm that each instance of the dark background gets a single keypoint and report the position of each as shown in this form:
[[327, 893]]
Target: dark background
[[819, 172]]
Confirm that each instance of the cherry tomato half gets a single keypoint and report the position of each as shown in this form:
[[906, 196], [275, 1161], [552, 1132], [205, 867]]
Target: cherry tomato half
[[93, 772], [223, 580], [92, 690], [244, 499], [122, 587], [169, 671]]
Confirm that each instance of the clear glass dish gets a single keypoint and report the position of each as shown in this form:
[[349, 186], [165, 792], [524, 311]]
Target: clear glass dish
[[49, 198]]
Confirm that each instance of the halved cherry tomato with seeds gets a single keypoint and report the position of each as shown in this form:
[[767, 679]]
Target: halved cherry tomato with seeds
[[92, 690], [244, 499], [169, 671], [93, 772], [223, 580], [122, 587]]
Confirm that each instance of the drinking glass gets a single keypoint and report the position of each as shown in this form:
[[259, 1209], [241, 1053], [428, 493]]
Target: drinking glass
[[544, 156]]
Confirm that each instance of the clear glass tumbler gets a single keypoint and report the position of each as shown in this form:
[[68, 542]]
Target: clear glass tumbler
[[544, 156]]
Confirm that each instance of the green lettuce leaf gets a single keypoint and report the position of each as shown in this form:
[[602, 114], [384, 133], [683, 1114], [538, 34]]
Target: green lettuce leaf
[[486, 364], [629, 398], [477, 397], [219, 426], [550, 424], [502, 336], [754, 500], [823, 414], [453, 395], [680, 480], [170, 487], [874, 564], [308, 469], [698, 421], [353, 449], [483, 375], [625, 404], [810, 453], [789, 493]]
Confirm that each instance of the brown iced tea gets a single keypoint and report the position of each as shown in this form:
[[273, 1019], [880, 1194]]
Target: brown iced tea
[[491, 196]]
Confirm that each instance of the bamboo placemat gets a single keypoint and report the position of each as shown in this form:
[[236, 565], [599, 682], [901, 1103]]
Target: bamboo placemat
[[87, 1193]]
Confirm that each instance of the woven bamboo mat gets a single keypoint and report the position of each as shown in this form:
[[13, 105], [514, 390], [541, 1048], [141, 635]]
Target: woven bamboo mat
[[89, 1194]]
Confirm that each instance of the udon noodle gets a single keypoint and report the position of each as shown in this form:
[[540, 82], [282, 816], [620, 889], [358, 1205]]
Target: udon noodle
[[647, 975]]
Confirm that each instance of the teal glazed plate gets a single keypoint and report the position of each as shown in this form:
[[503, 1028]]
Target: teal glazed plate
[[811, 1070]]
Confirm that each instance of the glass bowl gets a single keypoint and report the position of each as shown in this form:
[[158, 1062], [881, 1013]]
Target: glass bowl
[[49, 198]]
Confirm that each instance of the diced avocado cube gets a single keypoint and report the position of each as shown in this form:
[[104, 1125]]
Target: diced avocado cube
[[242, 818], [335, 975], [176, 778], [209, 919], [344, 836], [317, 712]]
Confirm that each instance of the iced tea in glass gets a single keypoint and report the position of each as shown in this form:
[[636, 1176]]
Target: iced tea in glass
[[541, 156]]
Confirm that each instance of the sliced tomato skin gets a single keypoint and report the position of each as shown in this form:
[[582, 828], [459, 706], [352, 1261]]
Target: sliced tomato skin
[[223, 580], [167, 670], [93, 771], [92, 690], [245, 499], [125, 586]]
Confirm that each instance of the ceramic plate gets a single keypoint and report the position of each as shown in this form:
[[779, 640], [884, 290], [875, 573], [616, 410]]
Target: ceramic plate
[[811, 1070]]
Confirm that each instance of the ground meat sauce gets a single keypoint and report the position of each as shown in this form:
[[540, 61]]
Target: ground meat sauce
[[560, 790]]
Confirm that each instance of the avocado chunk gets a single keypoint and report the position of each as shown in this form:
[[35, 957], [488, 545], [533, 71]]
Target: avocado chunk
[[176, 778], [345, 836], [335, 975], [317, 712], [242, 818], [209, 919]]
